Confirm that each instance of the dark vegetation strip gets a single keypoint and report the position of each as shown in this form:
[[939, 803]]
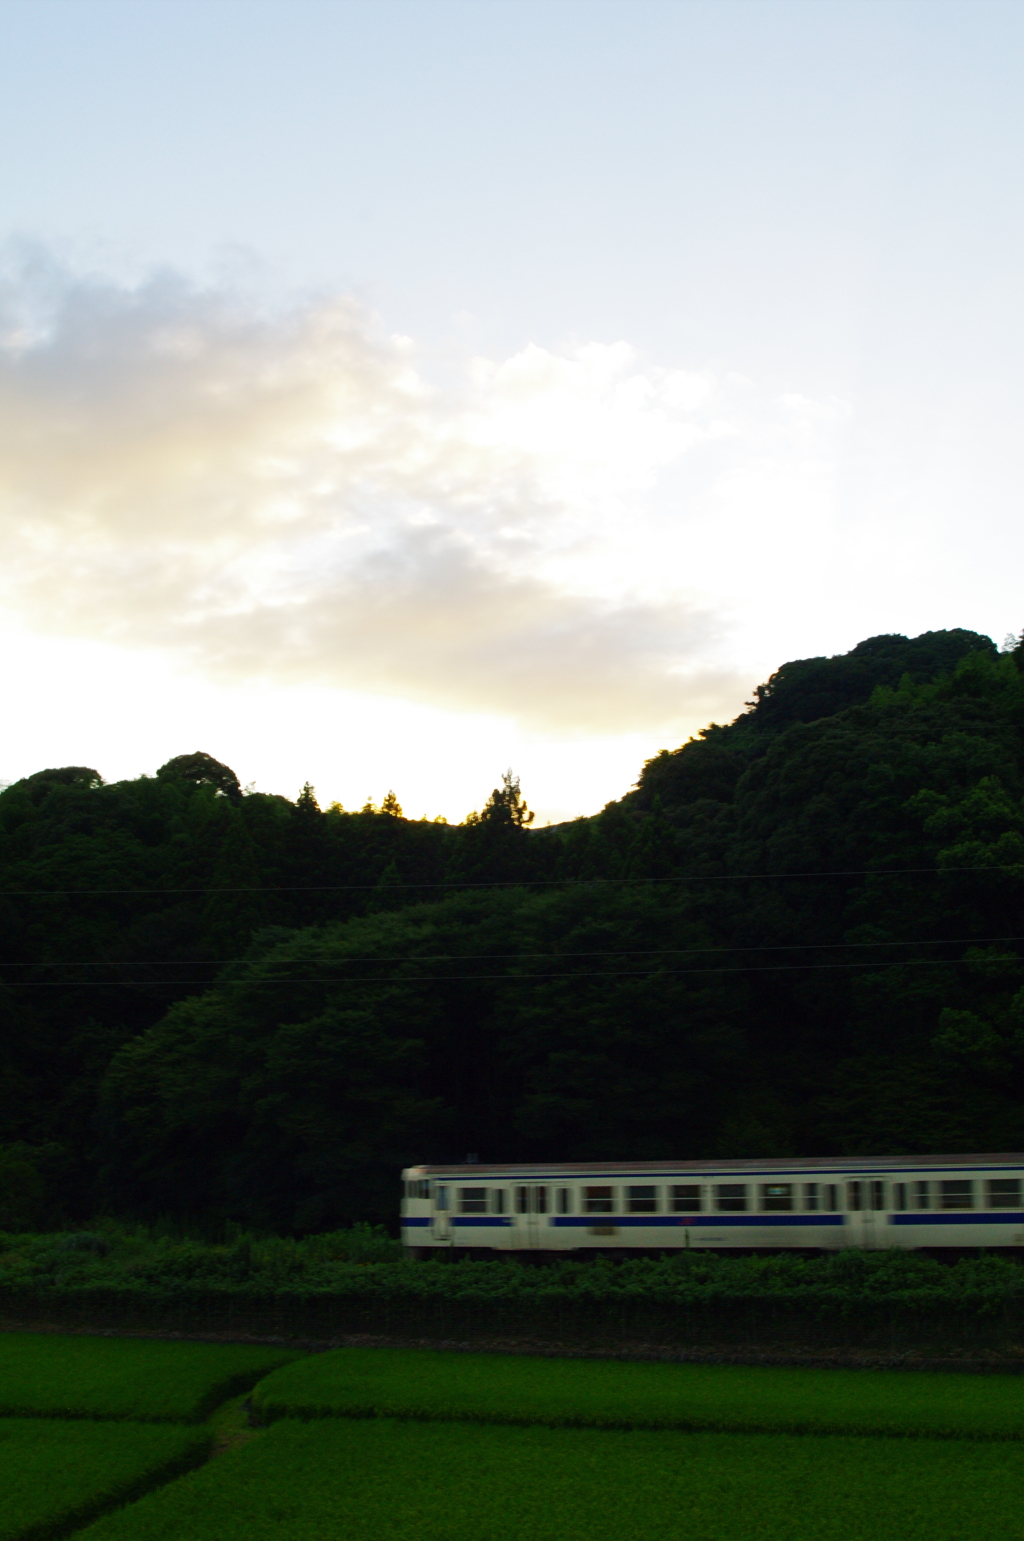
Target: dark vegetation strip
[[317, 1289]]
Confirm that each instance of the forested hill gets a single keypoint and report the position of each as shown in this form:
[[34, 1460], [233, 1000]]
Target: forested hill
[[801, 933]]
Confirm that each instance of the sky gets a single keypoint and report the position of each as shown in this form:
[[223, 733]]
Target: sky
[[396, 391]]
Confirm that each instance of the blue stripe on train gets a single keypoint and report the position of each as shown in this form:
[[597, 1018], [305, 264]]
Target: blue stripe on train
[[460, 1220], [936, 1217], [694, 1221], [970, 1217]]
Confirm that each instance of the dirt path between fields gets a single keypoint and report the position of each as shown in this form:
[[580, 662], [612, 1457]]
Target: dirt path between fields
[[1010, 1361]]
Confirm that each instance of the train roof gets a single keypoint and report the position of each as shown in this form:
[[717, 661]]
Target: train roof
[[839, 1164]]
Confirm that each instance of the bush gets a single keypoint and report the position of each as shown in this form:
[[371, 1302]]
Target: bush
[[358, 1281]]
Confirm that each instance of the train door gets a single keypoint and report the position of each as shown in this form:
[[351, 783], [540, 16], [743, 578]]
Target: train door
[[441, 1222], [865, 1203], [531, 1207]]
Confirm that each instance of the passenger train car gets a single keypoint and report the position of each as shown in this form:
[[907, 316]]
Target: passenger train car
[[903, 1201]]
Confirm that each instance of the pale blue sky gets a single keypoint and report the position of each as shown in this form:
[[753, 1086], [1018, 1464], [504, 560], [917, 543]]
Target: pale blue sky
[[800, 182], [815, 207]]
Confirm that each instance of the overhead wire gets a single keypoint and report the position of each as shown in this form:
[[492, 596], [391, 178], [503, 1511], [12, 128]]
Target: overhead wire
[[403, 979], [592, 952], [524, 882]]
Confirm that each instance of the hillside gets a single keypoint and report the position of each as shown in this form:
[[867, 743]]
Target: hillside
[[800, 933]]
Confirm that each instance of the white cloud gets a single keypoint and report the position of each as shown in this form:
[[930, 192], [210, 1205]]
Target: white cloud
[[285, 497]]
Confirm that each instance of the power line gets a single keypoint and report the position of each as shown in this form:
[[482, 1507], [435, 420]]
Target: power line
[[525, 882], [596, 952], [403, 979]]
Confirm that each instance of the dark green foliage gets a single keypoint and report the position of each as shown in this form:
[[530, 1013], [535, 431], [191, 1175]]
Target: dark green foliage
[[342, 1053], [202, 770], [811, 688], [379, 1480], [58, 1476], [800, 934]]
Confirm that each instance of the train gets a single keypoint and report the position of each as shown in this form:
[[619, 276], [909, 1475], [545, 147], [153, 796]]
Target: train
[[552, 1209]]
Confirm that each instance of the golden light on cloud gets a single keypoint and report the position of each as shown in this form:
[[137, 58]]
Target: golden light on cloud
[[283, 496]]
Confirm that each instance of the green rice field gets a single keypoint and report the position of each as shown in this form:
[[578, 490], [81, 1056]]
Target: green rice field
[[55, 1476], [391, 1481], [411, 1445], [52, 1375], [507, 1388]]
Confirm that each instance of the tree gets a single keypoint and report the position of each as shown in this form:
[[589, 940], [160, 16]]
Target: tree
[[202, 770], [306, 804], [505, 806]]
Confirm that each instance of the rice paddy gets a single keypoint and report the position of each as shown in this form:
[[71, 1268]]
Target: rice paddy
[[412, 1445], [55, 1475], [602, 1393], [385, 1480], [56, 1376]]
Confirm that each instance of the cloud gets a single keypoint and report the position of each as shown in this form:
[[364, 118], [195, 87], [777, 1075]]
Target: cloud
[[283, 495]]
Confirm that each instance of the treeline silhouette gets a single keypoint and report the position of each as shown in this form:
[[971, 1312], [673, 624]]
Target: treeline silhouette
[[801, 933]]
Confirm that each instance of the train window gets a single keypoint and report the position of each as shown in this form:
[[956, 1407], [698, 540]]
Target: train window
[[565, 1201], [1003, 1192], [776, 1196], [923, 1194], [957, 1193], [472, 1201], [598, 1201], [899, 1195], [522, 1201], [811, 1196], [441, 1198], [540, 1201], [731, 1196], [642, 1201], [497, 1201], [877, 1194], [830, 1197], [686, 1198], [855, 1195]]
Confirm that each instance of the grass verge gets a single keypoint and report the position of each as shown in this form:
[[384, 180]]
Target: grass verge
[[58, 1476], [48, 1375], [514, 1389], [392, 1481]]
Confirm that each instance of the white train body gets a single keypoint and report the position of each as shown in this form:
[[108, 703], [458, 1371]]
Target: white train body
[[903, 1201]]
